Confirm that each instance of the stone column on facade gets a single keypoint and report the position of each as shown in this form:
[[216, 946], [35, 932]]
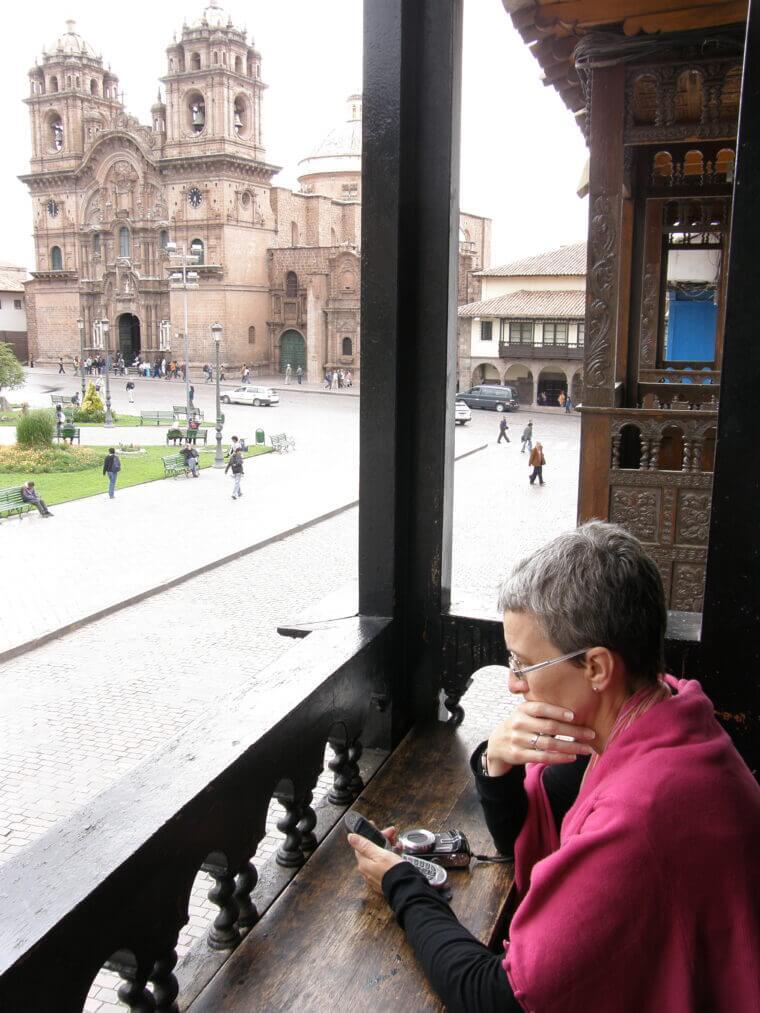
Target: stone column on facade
[[316, 336]]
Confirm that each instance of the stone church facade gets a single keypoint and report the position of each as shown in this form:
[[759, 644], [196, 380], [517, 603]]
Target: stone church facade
[[278, 269]]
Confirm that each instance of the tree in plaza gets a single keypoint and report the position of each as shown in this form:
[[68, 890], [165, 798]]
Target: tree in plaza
[[92, 401], [11, 370]]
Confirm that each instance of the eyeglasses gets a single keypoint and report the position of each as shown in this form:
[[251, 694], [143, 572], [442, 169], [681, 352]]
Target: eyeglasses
[[520, 671]]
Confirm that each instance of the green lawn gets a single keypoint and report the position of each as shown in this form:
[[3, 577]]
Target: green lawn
[[8, 418], [63, 487]]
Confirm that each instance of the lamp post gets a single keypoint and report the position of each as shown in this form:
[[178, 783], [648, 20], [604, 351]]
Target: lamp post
[[184, 280], [80, 325], [216, 334], [104, 325]]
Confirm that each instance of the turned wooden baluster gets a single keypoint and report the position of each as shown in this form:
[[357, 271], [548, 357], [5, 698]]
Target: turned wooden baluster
[[696, 455], [355, 750], [223, 934], [307, 823], [290, 853], [340, 793], [654, 457], [246, 880], [133, 992], [165, 984], [645, 451], [616, 450]]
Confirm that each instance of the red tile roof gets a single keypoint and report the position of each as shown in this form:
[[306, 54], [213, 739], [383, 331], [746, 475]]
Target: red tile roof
[[530, 305], [565, 260]]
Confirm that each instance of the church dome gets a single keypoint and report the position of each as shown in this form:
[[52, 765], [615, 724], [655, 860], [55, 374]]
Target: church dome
[[214, 16], [71, 43], [340, 151]]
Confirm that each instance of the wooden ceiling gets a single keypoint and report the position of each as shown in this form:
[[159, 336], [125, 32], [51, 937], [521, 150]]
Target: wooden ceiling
[[552, 29]]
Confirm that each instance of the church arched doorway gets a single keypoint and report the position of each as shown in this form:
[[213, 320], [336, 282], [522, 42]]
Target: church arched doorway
[[129, 337], [292, 350]]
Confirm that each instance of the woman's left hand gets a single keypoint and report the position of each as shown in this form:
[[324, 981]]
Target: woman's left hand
[[373, 862]]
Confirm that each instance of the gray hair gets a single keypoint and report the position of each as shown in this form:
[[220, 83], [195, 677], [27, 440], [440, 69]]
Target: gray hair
[[594, 587]]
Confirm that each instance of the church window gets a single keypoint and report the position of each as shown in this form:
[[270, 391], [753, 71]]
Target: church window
[[68, 82], [198, 251], [54, 84], [240, 116], [250, 67], [216, 57], [164, 239], [78, 83], [238, 65], [251, 335], [125, 244], [348, 347], [96, 244], [56, 132], [56, 259], [333, 237], [171, 66], [93, 87], [294, 233], [291, 284], [195, 61]]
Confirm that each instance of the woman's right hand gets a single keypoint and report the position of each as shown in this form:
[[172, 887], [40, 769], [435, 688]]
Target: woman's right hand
[[528, 735]]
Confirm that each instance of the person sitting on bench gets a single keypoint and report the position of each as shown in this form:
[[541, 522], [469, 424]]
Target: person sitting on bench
[[190, 455], [29, 495], [632, 819]]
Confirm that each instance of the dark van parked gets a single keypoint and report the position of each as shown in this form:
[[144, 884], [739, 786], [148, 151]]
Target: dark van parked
[[491, 395]]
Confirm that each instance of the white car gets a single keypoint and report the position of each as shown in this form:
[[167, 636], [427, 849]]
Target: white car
[[462, 413], [252, 395]]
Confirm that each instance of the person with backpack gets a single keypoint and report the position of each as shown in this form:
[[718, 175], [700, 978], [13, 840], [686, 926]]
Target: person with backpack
[[503, 427], [235, 464], [111, 467]]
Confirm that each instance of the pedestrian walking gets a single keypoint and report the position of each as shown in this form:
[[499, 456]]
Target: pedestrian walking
[[29, 495], [527, 437], [235, 464], [288, 372], [60, 365], [111, 467], [349, 378], [536, 461], [131, 391], [191, 394], [568, 405], [299, 374], [503, 427], [334, 380], [561, 399], [328, 380]]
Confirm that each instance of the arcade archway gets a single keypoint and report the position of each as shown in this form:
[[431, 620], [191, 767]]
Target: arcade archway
[[129, 337], [551, 382], [521, 377], [485, 373]]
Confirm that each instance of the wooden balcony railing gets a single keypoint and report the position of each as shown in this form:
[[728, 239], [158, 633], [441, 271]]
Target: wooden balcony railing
[[111, 884], [524, 349]]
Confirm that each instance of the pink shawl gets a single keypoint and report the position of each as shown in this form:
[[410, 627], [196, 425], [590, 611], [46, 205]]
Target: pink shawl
[[650, 901]]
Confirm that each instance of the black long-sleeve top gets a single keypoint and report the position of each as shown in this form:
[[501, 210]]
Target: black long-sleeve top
[[466, 974]]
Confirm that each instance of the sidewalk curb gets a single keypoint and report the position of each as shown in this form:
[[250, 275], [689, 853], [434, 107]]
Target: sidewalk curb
[[45, 638]]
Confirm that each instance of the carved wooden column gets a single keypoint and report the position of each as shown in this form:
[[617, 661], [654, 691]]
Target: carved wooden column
[[606, 168]]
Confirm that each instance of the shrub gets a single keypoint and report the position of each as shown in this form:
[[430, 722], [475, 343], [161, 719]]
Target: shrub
[[85, 415], [35, 428], [40, 459], [11, 370], [92, 402]]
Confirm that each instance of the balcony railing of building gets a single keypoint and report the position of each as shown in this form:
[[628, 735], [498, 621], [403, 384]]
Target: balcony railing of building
[[529, 349]]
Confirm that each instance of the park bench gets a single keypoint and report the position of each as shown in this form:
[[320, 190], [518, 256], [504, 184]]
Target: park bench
[[68, 432], [282, 443], [175, 464], [180, 411], [60, 399], [158, 418], [12, 502], [176, 436]]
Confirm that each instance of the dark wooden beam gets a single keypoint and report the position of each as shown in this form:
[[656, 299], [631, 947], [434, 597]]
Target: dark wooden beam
[[731, 659], [410, 221]]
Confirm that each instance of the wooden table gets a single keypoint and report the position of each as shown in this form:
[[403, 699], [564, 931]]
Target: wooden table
[[327, 943]]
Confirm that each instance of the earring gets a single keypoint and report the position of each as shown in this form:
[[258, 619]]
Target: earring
[[595, 689]]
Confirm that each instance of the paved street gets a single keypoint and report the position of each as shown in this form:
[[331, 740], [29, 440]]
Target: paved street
[[84, 709]]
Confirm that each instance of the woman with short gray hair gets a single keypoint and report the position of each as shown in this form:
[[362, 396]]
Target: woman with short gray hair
[[631, 817]]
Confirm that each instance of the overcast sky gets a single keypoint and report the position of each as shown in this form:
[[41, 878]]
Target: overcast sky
[[522, 154]]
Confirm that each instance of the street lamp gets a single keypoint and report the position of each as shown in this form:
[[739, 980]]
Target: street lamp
[[216, 334], [104, 328], [80, 325], [184, 280]]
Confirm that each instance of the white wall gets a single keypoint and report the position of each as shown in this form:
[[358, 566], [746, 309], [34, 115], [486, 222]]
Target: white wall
[[490, 349], [12, 319], [494, 287]]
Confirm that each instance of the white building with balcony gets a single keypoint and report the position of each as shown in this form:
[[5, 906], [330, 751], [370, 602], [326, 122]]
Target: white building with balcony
[[13, 309], [528, 328]]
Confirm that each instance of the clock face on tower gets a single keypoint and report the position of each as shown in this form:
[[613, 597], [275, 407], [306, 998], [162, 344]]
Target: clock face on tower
[[194, 197], [52, 209]]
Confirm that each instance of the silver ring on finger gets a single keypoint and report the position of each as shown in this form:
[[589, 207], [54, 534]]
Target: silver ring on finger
[[534, 740]]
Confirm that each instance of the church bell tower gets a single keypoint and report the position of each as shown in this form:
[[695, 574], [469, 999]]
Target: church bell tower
[[213, 90]]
